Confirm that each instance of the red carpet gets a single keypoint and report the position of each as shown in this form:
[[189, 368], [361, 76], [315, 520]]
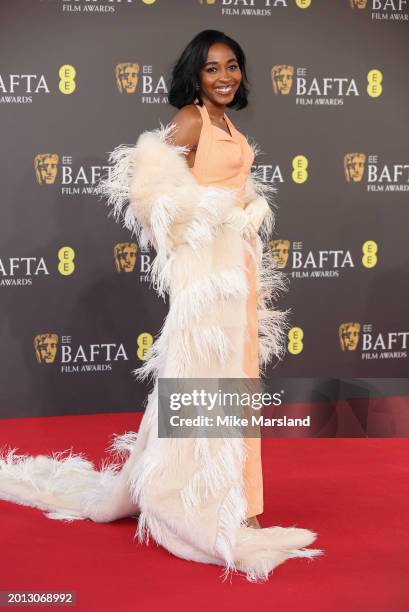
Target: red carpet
[[353, 492]]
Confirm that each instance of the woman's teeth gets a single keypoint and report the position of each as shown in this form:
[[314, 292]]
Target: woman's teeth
[[223, 90]]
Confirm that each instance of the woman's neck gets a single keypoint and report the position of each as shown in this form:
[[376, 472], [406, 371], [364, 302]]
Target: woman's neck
[[216, 111]]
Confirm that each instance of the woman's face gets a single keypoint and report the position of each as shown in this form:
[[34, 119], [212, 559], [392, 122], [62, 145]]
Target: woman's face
[[220, 76]]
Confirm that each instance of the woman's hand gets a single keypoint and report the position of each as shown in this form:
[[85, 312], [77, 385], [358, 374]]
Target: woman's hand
[[240, 220], [256, 211]]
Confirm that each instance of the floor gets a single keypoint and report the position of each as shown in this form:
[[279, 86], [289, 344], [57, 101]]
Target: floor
[[353, 492]]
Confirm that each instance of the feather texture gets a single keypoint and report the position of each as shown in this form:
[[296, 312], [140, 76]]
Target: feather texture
[[188, 492]]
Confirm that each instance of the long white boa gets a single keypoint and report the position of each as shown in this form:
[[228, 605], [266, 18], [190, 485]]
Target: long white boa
[[189, 492]]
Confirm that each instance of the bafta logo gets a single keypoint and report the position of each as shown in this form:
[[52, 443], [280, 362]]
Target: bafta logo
[[359, 4], [207, 1], [126, 76], [354, 166], [46, 167], [280, 250], [45, 346], [125, 256], [349, 336], [282, 79]]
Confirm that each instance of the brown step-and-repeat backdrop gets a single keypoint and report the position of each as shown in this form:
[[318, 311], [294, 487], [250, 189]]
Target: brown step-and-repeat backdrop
[[329, 108]]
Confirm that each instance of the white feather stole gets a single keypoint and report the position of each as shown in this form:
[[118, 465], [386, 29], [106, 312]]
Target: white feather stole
[[189, 493]]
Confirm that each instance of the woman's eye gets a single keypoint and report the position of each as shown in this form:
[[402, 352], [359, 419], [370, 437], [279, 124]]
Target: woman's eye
[[212, 68]]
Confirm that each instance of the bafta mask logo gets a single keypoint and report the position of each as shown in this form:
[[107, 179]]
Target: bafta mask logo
[[280, 250], [349, 336], [46, 167], [45, 346], [126, 76], [359, 4], [354, 166], [207, 1], [282, 79], [125, 256]]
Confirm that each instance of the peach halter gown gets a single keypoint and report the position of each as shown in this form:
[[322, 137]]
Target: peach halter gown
[[225, 160]]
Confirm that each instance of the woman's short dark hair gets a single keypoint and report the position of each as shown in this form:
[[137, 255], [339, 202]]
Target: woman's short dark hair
[[185, 73]]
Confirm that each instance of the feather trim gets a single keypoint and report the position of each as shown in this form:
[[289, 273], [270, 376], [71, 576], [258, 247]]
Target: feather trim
[[190, 303], [273, 324], [214, 472], [115, 187], [260, 551], [152, 193], [123, 444], [60, 483]]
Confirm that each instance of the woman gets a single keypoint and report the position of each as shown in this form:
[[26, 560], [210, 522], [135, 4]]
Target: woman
[[224, 159], [186, 190]]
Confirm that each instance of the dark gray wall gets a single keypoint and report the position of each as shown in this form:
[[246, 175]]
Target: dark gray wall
[[96, 305]]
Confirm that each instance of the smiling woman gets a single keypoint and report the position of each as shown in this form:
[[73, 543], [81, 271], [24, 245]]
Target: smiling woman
[[221, 74], [219, 155], [186, 190]]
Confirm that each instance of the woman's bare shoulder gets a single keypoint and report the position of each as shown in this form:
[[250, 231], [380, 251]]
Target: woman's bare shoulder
[[189, 124]]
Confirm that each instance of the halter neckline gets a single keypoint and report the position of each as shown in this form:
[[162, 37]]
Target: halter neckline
[[227, 120]]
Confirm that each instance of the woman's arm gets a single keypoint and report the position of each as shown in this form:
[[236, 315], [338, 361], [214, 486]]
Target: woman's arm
[[189, 124]]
